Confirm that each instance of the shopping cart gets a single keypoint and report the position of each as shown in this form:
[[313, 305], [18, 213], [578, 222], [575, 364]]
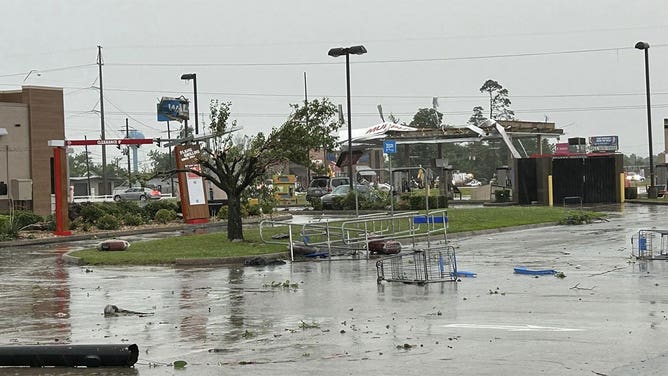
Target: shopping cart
[[650, 245], [436, 264]]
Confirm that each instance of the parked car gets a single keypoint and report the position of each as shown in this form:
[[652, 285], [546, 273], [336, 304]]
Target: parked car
[[383, 187], [633, 176], [328, 200], [473, 183], [321, 185], [137, 193]]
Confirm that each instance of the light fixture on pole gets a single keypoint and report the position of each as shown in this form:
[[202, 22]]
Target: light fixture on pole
[[651, 190], [188, 77], [336, 52]]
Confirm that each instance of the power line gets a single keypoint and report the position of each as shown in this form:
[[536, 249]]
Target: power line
[[22, 74], [462, 112], [430, 96], [130, 116], [387, 61]]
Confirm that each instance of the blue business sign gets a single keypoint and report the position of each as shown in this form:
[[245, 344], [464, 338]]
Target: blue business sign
[[173, 109], [390, 147]]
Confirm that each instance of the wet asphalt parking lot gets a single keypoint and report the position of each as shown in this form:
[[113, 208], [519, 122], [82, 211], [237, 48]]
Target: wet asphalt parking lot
[[608, 316]]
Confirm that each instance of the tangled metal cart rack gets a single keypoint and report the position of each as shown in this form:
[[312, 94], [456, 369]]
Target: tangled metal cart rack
[[433, 264]]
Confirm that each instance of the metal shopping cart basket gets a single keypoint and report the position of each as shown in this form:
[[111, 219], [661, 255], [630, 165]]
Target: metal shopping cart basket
[[436, 264]]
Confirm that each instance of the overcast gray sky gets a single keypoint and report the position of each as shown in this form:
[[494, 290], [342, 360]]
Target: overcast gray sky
[[572, 62]]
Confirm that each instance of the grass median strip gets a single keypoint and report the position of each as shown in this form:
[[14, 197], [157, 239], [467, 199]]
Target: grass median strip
[[216, 245]]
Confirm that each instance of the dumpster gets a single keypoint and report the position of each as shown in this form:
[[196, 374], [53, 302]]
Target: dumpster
[[630, 192]]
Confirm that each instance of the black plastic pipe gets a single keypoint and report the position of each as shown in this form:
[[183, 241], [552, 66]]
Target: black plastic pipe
[[69, 356]]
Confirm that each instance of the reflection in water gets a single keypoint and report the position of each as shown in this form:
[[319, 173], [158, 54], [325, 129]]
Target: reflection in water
[[651, 266], [36, 299], [236, 305], [71, 371], [193, 303]]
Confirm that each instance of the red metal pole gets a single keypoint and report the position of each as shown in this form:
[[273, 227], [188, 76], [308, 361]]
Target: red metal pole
[[58, 188]]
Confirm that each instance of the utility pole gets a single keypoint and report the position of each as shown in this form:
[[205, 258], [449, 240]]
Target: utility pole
[[87, 167], [127, 135], [308, 165], [171, 161], [102, 135]]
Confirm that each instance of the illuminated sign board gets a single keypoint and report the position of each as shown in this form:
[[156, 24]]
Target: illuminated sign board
[[604, 143]]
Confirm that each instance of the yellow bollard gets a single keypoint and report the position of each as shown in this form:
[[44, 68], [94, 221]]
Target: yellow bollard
[[550, 199]]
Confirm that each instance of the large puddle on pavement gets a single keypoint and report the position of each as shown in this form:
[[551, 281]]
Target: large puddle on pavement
[[332, 318]]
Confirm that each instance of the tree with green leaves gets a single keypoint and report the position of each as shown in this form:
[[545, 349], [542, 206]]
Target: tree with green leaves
[[499, 103], [477, 117], [427, 118], [161, 161], [80, 164], [234, 162]]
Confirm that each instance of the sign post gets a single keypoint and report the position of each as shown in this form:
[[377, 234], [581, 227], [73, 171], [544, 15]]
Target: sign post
[[389, 148], [194, 205]]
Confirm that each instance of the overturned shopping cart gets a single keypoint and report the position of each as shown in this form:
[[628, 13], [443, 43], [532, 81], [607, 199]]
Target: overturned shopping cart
[[433, 264]]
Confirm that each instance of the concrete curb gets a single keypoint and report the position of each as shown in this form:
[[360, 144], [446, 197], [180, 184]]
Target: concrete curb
[[114, 234], [228, 260], [71, 260]]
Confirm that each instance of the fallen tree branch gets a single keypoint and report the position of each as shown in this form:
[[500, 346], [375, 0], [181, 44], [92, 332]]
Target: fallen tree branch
[[577, 287], [609, 271]]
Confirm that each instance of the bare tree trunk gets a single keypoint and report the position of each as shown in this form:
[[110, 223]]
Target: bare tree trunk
[[234, 223]]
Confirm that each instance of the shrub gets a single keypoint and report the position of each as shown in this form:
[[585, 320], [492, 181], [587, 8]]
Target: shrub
[[133, 219], [382, 200], [76, 223], [110, 208], [152, 207], [339, 202], [580, 218], [50, 222], [165, 215], [222, 213], [26, 218], [253, 209], [316, 203], [73, 211], [416, 202], [266, 208], [442, 201], [108, 222], [126, 207], [8, 229], [90, 212]]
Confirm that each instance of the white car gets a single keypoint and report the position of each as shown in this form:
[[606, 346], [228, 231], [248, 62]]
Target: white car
[[633, 176], [137, 193], [473, 183]]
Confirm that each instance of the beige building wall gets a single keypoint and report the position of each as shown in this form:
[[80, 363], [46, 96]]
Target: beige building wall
[[47, 122], [14, 148], [32, 116]]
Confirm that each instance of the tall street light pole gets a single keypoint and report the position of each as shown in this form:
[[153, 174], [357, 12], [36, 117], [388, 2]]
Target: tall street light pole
[[651, 191], [188, 77], [341, 51]]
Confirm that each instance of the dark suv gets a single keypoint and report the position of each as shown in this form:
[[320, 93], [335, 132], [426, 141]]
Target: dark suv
[[321, 185]]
